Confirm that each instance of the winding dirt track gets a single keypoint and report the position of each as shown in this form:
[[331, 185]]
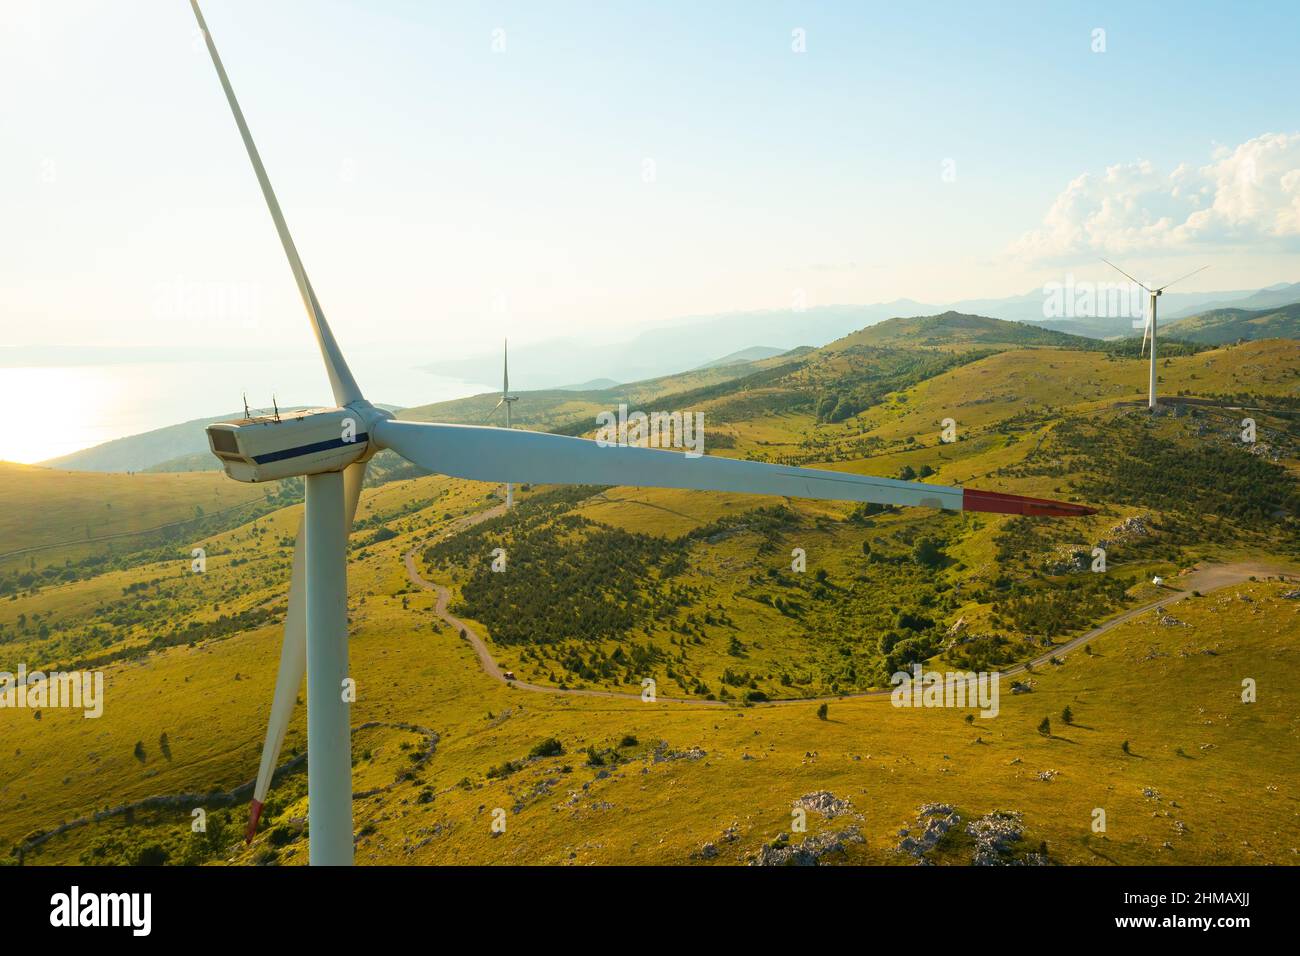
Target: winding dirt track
[[1204, 579]]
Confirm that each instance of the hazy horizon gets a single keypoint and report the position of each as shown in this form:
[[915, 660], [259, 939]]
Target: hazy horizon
[[148, 387], [461, 174]]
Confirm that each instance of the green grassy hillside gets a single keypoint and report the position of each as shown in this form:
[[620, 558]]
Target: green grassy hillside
[[49, 517], [1235, 325], [955, 329], [607, 587]]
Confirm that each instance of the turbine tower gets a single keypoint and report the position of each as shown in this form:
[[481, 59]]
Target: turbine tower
[[329, 448], [507, 400], [1150, 327]]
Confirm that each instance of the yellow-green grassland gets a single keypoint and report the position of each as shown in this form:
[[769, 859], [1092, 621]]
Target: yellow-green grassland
[[1178, 726]]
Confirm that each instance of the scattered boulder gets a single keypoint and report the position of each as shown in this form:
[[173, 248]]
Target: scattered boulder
[[809, 851], [662, 753], [709, 850], [996, 835], [1068, 559], [1135, 526], [934, 820], [825, 803]]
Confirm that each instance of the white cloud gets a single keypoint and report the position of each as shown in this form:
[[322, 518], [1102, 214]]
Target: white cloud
[[1246, 195]]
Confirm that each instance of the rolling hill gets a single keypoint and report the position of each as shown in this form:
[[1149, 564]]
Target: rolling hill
[[45, 510], [656, 350], [1239, 325], [956, 329]]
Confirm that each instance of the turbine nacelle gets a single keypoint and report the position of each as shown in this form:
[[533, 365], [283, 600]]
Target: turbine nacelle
[[290, 444]]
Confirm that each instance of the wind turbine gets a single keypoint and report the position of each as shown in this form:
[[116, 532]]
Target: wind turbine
[[507, 400], [329, 448], [1150, 327]]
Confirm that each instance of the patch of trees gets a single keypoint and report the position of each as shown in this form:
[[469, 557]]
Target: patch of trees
[[875, 373], [1055, 610], [1125, 461]]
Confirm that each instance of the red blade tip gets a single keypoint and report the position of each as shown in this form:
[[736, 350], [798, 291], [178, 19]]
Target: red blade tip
[[995, 502], [254, 814]]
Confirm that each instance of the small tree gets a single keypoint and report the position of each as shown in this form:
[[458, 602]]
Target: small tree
[[1124, 746], [1067, 715], [822, 711], [1045, 728], [550, 747], [927, 553]]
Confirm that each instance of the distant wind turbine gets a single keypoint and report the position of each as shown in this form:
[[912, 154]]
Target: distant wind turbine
[[1150, 327], [330, 447], [507, 400]]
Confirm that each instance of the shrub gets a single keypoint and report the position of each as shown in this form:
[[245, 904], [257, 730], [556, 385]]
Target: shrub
[[550, 747], [928, 554]]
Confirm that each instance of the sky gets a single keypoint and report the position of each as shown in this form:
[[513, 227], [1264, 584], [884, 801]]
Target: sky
[[456, 172]]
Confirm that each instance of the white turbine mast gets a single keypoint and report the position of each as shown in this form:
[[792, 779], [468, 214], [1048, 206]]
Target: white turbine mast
[[329, 448], [1149, 329], [507, 400]]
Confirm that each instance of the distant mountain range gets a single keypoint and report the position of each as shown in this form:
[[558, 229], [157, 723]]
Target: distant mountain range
[[751, 354], [1283, 293], [664, 349], [671, 347], [184, 447]]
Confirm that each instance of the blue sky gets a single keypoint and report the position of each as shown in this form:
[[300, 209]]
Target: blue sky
[[443, 193]]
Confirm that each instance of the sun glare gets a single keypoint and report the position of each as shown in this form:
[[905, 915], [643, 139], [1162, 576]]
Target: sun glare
[[72, 403]]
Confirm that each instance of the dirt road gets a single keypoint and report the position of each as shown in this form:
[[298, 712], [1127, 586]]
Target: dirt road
[[1205, 579]]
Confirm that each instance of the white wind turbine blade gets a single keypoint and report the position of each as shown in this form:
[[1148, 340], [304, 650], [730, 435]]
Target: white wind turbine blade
[[505, 366], [293, 653], [1125, 274], [342, 383], [1180, 279], [1146, 331], [496, 454]]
